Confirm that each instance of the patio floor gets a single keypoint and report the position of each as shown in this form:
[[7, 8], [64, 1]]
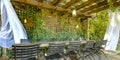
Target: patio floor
[[110, 56]]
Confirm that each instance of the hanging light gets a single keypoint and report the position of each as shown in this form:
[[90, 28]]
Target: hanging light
[[25, 21], [77, 26], [74, 12]]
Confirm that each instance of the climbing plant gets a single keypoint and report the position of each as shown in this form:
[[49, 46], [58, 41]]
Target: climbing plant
[[38, 18], [98, 25]]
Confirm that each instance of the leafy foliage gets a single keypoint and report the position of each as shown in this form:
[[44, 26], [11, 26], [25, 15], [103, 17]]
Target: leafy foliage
[[98, 25], [111, 6]]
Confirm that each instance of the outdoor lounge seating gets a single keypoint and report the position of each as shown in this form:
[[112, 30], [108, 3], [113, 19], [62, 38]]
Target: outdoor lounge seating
[[25, 52]]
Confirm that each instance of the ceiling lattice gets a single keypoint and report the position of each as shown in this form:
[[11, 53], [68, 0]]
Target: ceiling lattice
[[84, 8]]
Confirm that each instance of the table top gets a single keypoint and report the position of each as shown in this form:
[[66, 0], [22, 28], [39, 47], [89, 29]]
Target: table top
[[46, 44]]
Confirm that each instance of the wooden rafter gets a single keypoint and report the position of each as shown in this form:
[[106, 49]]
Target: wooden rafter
[[86, 8], [55, 2], [70, 3], [40, 1], [89, 2], [96, 8], [116, 4], [92, 7], [41, 5], [46, 6]]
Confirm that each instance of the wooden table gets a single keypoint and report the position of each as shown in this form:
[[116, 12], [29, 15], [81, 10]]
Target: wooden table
[[46, 44]]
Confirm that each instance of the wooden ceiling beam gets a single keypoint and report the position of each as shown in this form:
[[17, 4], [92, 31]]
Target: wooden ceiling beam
[[70, 3], [93, 7], [55, 2], [116, 4], [89, 2], [98, 9], [40, 1], [41, 5]]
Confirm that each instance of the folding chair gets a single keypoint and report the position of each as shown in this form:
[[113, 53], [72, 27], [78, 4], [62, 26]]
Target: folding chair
[[42, 40], [73, 50], [104, 43], [86, 50], [98, 48], [55, 51], [25, 52], [102, 47]]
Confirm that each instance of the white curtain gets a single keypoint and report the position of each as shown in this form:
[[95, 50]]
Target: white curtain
[[112, 32], [11, 30]]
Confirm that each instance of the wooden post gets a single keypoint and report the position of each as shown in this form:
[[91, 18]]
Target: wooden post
[[87, 29]]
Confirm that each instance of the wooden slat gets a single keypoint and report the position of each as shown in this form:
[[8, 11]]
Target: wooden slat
[[70, 3], [116, 4], [93, 7], [42, 5], [89, 2], [40, 1], [64, 9], [55, 2]]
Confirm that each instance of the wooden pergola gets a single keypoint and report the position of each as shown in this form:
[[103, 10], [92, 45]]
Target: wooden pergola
[[84, 8]]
